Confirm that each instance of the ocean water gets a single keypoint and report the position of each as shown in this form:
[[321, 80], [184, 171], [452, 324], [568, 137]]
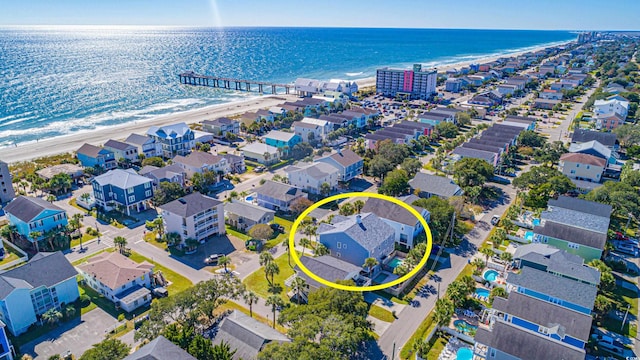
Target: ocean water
[[61, 80]]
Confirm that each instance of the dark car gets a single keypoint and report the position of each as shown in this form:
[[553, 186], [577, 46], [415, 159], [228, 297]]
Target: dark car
[[277, 227], [495, 219], [160, 292]]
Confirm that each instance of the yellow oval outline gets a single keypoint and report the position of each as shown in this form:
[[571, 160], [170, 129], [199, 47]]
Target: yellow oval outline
[[317, 278]]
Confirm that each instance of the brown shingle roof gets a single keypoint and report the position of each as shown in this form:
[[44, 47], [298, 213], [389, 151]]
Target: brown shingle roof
[[114, 270], [583, 159]]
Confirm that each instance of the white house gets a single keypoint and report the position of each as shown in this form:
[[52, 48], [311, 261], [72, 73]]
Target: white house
[[311, 177], [124, 282], [200, 162], [145, 144], [614, 104], [405, 225], [194, 216], [325, 126], [262, 153], [122, 150], [308, 131]]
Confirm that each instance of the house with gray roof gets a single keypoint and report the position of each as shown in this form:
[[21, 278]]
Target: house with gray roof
[[558, 290], [244, 216], [357, 237], [278, 196], [594, 148], [236, 163], [29, 290], [576, 218], [96, 157], [464, 152], [123, 190], [194, 216], [406, 226], [145, 144], [328, 268], [175, 139], [221, 126], [428, 185], [575, 240], [584, 135], [577, 204], [122, 151], [171, 173], [199, 162], [311, 177], [261, 152], [160, 349], [32, 214], [555, 261], [246, 335], [348, 163]]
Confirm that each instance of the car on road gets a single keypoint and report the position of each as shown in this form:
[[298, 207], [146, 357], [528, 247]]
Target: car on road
[[212, 259], [495, 219], [259, 169]]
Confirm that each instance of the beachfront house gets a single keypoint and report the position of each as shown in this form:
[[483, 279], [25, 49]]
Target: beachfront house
[[199, 162], [194, 216], [96, 157], [221, 126], [406, 226], [120, 280], [281, 139], [244, 216], [357, 237], [176, 139], [348, 163], [122, 190], [311, 177], [6, 184], [278, 196], [145, 144], [123, 152], [46, 282], [34, 214], [261, 153]]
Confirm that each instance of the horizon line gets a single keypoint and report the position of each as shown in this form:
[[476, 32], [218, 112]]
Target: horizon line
[[299, 27]]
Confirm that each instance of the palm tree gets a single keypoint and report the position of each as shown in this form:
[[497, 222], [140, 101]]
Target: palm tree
[[191, 243], [35, 235], [288, 250], [52, 316], [51, 198], [120, 242], [69, 311], [265, 258], [85, 197], [271, 269], [358, 205], [321, 250], [299, 286], [506, 257], [222, 351], [478, 263], [310, 230], [497, 291], [173, 238], [224, 261], [275, 302], [444, 311], [250, 298], [369, 263], [304, 242], [487, 252]]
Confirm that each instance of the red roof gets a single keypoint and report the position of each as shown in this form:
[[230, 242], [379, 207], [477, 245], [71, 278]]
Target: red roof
[[583, 159]]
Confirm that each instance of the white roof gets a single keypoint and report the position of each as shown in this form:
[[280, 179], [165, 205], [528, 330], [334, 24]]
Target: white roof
[[314, 121], [279, 135], [624, 104], [260, 148]]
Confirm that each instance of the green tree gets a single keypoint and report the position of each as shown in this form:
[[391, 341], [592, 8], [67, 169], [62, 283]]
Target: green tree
[[250, 298], [300, 287], [378, 166], [270, 271], [358, 205], [628, 134], [52, 316], [487, 252], [441, 214], [443, 311], [550, 153], [265, 258], [447, 130], [222, 351], [156, 225], [325, 189], [275, 302], [347, 209], [469, 172], [370, 263], [321, 250], [395, 183], [305, 243], [224, 261], [60, 183], [601, 307], [497, 291], [153, 161], [261, 231], [531, 138], [167, 192], [109, 349], [411, 166], [121, 243], [463, 118], [173, 239], [621, 196]]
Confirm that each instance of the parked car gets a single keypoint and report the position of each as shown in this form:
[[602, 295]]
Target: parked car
[[212, 259], [495, 219], [160, 292], [277, 227]]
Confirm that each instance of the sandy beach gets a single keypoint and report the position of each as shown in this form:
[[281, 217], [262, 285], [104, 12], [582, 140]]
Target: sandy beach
[[70, 143]]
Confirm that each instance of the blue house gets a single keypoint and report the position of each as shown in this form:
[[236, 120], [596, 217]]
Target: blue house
[[47, 281], [348, 163], [280, 139], [123, 190], [29, 214], [358, 237], [176, 139], [96, 157]]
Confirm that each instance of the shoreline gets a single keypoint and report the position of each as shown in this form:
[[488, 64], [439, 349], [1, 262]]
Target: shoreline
[[27, 151]]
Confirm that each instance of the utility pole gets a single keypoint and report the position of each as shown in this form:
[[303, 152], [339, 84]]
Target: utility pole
[[625, 317], [393, 352]]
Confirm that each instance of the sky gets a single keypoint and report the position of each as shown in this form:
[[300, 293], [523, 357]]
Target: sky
[[460, 14]]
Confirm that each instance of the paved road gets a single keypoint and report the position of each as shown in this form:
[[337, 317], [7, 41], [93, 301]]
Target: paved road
[[411, 317]]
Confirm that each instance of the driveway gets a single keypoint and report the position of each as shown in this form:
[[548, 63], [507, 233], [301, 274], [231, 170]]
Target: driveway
[[76, 336]]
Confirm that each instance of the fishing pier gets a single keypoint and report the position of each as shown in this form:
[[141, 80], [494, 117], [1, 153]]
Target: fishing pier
[[191, 78]]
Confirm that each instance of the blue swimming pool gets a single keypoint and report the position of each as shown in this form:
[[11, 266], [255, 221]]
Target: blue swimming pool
[[464, 354], [395, 262], [490, 275], [536, 222], [381, 278], [528, 236], [249, 198], [482, 292], [464, 327]]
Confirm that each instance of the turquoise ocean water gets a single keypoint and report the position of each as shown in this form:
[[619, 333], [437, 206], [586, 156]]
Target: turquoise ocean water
[[57, 81]]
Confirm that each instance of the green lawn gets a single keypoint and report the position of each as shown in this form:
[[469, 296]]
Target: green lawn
[[623, 297], [419, 335], [11, 253], [437, 348], [257, 282], [381, 314], [237, 234], [178, 282], [85, 238], [286, 224], [388, 296]]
